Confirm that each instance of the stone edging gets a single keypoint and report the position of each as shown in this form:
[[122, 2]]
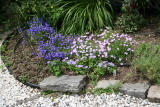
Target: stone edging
[[143, 90]]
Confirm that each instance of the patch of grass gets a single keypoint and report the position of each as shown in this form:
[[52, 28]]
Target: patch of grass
[[2, 48], [108, 90], [1, 67], [46, 92], [24, 79], [83, 91], [129, 75], [6, 61]]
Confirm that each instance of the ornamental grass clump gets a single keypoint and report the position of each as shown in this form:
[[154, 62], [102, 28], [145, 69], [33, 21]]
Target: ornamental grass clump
[[80, 16]]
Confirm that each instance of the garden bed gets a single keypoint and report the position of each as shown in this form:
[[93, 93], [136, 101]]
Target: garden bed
[[26, 66]]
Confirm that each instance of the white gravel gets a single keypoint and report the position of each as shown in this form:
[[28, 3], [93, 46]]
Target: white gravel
[[15, 94]]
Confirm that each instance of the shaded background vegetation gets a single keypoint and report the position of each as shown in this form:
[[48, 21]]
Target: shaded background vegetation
[[68, 16]]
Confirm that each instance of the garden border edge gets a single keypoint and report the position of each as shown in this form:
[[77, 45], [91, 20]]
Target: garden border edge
[[6, 37]]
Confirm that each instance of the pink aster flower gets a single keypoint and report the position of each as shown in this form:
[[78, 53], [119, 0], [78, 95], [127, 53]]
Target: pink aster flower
[[108, 48]]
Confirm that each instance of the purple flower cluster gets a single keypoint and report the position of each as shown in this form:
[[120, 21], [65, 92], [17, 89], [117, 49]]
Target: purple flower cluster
[[56, 47], [51, 46], [39, 29]]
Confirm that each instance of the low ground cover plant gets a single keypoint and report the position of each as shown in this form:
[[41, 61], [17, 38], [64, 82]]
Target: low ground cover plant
[[147, 61], [108, 90]]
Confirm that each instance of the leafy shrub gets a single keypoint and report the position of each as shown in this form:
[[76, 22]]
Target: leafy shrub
[[147, 61], [28, 9], [129, 23], [130, 20], [80, 16]]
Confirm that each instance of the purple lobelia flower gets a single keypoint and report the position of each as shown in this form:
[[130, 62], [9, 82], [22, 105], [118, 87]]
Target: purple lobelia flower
[[51, 46]]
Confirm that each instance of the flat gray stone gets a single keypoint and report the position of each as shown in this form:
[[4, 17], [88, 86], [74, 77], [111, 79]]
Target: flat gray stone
[[64, 83], [107, 83], [154, 94], [138, 90]]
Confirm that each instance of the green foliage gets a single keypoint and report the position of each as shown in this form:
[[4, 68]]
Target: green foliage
[[108, 90], [80, 16], [46, 92], [55, 67], [97, 71], [3, 48], [24, 79], [28, 9], [5, 58], [147, 61], [130, 23], [131, 20]]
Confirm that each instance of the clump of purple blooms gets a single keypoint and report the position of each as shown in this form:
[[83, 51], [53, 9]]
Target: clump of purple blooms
[[56, 47], [51, 46], [39, 29]]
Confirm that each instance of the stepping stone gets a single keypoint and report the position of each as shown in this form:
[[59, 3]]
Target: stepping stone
[[138, 90], [64, 83], [154, 94], [107, 83]]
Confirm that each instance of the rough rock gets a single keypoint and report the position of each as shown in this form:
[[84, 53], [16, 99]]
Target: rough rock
[[138, 89], [154, 94], [106, 83], [64, 83]]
